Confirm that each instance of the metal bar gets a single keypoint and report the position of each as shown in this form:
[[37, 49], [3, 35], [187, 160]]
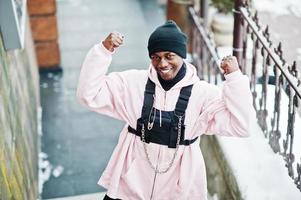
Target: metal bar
[[204, 11], [254, 74], [206, 57], [237, 32], [275, 134], [274, 56], [207, 42]]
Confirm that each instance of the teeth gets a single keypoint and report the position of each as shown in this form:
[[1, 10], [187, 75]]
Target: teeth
[[165, 70]]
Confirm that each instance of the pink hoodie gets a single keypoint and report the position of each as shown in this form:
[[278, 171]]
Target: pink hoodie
[[128, 176]]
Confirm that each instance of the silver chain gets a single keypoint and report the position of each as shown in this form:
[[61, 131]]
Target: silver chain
[[174, 155]]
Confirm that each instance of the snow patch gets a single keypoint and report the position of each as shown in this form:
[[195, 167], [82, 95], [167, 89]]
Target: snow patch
[[299, 54], [279, 7], [260, 173], [57, 171], [46, 169]]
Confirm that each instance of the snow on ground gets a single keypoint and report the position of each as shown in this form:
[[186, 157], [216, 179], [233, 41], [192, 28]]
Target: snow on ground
[[279, 7], [299, 54], [283, 123], [261, 174], [223, 51], [46, 169]]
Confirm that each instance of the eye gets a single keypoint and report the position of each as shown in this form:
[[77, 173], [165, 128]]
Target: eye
[[155, 58], [170, 56]]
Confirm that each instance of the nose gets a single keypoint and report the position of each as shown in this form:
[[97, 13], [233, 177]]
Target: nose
[[163, 63]]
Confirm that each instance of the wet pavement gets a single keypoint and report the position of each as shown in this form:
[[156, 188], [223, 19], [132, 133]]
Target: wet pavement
[[78, 142]]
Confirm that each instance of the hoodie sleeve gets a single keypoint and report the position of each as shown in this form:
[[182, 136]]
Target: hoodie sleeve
[[100, 92], [229, 112]]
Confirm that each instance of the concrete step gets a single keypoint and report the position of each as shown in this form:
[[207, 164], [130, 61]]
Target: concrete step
[[94, 196]]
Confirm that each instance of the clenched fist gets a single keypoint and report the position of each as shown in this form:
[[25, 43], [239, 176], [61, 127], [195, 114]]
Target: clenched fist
[[229, 64], [113, 40]]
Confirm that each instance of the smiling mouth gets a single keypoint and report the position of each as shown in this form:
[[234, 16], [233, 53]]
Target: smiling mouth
[[165, 71]]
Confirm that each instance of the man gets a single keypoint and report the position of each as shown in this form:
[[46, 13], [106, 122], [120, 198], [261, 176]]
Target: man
[[166, 108]]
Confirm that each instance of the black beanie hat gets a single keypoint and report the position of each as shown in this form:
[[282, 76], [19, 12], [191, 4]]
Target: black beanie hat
[[168, 37]]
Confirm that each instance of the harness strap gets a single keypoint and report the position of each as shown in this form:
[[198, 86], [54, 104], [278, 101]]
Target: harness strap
[[148, 98], [183, 100], [182, 142], [180, 111]]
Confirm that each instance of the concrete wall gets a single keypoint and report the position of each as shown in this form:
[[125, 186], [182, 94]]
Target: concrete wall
[[19, 102], [220, 178]]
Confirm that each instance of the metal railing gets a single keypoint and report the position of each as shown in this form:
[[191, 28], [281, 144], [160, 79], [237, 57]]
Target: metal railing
[[257, 58], [204, 52]]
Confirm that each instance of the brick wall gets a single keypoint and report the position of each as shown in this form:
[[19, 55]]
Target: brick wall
[[45, 33], [19, 100]]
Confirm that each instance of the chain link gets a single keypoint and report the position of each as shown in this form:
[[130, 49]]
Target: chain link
[[174, 155]]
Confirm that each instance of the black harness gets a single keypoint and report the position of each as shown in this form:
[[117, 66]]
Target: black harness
[[162, 127]]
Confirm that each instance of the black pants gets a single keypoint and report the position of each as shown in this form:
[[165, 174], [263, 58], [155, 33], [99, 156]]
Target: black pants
[[108, 198]]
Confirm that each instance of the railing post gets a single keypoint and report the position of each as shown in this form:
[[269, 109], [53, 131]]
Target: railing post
[[237, 31], [177, 10], [204, 11]]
